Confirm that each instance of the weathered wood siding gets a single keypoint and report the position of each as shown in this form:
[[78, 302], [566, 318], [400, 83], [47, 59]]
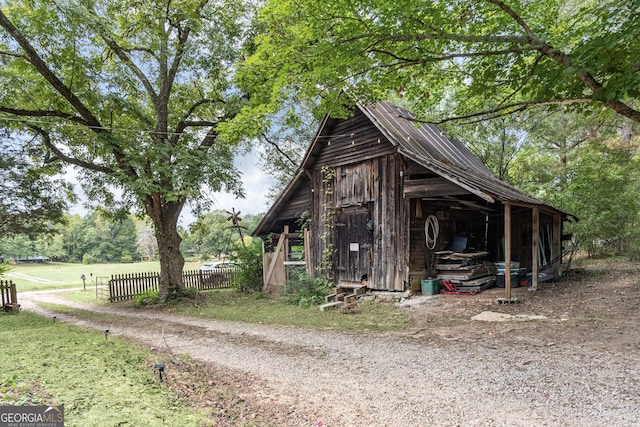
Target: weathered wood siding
[[365, 187], [356, 194], [352, 141], [389, 269]]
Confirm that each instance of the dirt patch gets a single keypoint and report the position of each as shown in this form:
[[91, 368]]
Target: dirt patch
[[596, 306], [223, 395]]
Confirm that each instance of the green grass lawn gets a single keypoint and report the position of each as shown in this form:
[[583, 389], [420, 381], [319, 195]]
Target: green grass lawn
[[100, 382], [29, 277], [229, 304]]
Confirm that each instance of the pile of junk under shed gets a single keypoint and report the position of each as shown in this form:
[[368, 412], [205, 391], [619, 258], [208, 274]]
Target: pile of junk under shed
[[469, 272]]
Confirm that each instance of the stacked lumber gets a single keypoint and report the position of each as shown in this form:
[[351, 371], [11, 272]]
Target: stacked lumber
[[469, 271]]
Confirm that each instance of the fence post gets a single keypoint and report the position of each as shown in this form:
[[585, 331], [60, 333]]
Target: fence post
[[14, 298]]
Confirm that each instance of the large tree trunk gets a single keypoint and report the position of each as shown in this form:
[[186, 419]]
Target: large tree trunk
[[165, 220]]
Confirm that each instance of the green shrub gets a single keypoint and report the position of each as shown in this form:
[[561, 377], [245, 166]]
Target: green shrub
[[249, 258], [150, 297], [4, 267], [303, 290], [87, 259]]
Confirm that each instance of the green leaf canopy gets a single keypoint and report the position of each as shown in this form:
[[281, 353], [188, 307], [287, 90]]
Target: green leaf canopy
[[492, 57]]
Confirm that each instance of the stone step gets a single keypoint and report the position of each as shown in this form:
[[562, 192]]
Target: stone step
[[331, 305]]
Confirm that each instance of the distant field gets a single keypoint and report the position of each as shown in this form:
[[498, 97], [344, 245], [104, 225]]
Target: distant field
[[30, 277]]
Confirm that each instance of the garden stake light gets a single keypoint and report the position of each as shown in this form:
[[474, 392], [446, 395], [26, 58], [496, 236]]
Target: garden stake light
[[106, 334], [160, 367]]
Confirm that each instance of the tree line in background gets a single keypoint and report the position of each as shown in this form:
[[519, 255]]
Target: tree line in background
[[97, 238]]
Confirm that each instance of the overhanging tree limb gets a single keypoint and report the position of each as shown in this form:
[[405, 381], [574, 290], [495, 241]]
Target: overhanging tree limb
[[277, 147], [501, 111], [44, 113], [42, 68], [566, 61], [182, 124], [46, 140]]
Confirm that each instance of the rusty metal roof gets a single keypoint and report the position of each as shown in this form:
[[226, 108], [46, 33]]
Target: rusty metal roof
[[427, 145]]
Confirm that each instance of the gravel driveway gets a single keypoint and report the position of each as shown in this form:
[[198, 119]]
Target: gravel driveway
[[417, 378]]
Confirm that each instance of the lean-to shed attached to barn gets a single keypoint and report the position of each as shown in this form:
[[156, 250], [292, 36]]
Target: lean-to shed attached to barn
[[382, 197]]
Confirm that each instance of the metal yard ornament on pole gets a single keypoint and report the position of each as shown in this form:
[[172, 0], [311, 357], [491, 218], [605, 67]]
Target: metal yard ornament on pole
[[235, 219]]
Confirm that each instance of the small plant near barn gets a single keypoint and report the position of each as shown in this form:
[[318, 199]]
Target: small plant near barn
[[249, 257], [304, 290]]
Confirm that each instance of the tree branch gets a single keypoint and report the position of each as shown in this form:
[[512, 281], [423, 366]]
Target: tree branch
[[452, 55], [513, 39], [15, 55], [140, 49], [183, 36], [46, 140], [182, 124], [44, 113], [277, 147], [514, 16], [122, 54], [41, 67], [199, 123], [500, 111], [524, 82]]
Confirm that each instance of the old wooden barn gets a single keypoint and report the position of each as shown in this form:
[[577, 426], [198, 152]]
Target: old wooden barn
[[383, 202]]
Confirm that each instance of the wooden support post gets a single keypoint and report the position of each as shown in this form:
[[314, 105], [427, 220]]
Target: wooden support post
[[557, 245], [274, 260], [15, 307], [507, 250], [286, 243], [264, 268], [307, 251], [535, 247]]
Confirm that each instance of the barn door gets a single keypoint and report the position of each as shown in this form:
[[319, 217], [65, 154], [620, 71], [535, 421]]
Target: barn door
[[353, 245]]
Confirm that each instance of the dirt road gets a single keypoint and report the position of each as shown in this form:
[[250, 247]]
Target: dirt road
[[577, 365]]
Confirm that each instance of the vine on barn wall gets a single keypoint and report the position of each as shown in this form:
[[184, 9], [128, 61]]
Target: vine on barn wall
[[328, 214]]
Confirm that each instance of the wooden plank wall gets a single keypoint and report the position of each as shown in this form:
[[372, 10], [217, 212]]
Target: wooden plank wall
[[278, 277], [352, 141], [389, 268], [375, 183]]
